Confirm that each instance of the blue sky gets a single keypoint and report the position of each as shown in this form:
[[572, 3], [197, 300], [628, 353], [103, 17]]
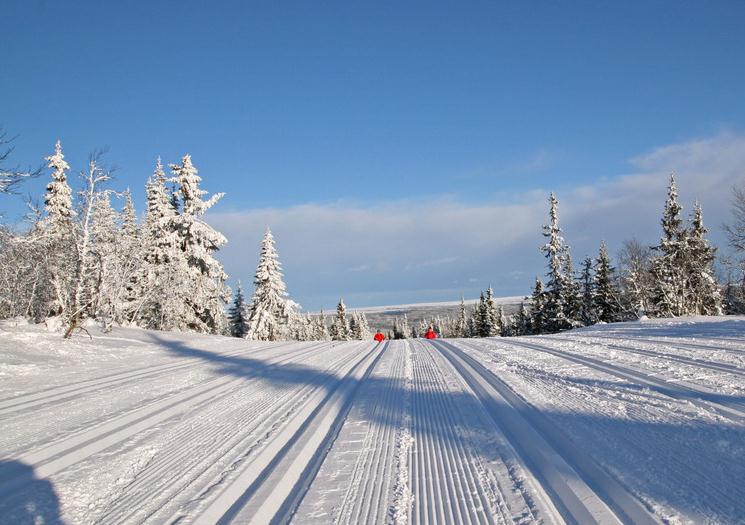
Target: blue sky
[[345, 107]]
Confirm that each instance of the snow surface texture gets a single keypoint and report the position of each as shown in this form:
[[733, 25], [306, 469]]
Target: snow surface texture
[[637, 422]]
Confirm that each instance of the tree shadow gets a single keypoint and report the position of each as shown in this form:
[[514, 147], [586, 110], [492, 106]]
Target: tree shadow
[[36, 500], [694, 467]]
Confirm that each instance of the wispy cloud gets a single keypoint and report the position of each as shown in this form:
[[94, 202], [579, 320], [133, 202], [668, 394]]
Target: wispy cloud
[[371, 251]]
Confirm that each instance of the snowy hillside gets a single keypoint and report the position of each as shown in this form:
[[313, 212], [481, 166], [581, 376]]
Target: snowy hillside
[[636, 422]]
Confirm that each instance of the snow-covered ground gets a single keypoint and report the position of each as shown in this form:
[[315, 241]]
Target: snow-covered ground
[[636, 422]]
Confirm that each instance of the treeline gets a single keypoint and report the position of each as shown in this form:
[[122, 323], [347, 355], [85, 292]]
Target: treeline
[[674, 278], [84, 257], [81, 258]]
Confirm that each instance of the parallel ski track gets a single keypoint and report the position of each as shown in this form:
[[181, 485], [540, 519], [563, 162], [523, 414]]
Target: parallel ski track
[[582, 491], [730, 409], [260, 491], [53, 395], [444, 479], [57, 456], [674, 342], [366, 499], [179, 467], [701, 363], [577, 401]]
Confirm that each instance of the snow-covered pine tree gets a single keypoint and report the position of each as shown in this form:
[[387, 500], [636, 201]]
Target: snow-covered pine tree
[[572, 291], [129, 261], [420, 329], [558, 287], [238, 314], [490, 326], [523, 324], [472, 324], [461, 323], [320, 330], [668, 267], [703, 293], [537, 308], [104, 281], [57, 236], [504, 323], [155, 305], [364, 327], [606, 299], [587, 292], [202, 292], [340, 330], [270, 312]]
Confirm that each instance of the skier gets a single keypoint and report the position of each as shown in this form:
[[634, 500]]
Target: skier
[[379, 336], [430, 334]]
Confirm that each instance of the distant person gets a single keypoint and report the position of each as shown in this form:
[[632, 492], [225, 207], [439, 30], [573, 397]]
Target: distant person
[[379, 336], [430, 334]]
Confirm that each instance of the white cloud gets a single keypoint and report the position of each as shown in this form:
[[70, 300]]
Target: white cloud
[[405, 250]]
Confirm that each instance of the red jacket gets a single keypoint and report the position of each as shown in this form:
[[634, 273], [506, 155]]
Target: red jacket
[[430, 334], [379, 337]]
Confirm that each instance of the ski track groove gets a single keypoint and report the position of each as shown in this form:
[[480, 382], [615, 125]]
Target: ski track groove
[[441, 454], [278, 405], [592, 494], [711, 365], [577, 401], [730, 409], [40, 398], [371, 480], [56, 456], [254, 483]]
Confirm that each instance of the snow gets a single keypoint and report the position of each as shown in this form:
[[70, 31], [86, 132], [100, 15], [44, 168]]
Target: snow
[[638, 422]]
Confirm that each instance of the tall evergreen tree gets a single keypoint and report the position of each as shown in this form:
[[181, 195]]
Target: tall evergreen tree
[[238, 314], [202, 293], [606, 299], [523, 324], [668, 267], [270, 312], [58, 236], [340, 329], [558, 294], [537, 308], [460, 328], [587, 291], [704, 295]]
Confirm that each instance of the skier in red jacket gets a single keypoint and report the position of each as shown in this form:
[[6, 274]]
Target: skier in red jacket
[[430, 334], [379, 336]]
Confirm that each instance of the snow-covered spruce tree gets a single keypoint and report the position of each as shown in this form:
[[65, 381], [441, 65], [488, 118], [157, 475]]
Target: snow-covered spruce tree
[[489, 316], [320, 330], [105, 240], [703, 293], [669, 265], [340, 330], [573, 295], [606, 297], [587, 293], [460, 329], [161, 257], [271, 311], [130, 252], [559, 287], [58, 236], [537, 309], [522, 323], [238, 314], [364, 327], [200, 292], [505, 327]]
